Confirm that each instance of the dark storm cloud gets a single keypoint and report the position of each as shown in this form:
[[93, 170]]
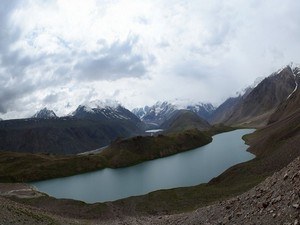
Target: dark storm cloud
[[8, 35], [112, 62], [10, 96], [16, 82]]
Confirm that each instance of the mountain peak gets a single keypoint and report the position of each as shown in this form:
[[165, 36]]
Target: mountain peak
[[99, 104], [45, 114], [294, 67]]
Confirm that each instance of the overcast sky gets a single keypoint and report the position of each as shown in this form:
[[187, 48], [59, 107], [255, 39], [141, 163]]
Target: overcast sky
[[62, 53]]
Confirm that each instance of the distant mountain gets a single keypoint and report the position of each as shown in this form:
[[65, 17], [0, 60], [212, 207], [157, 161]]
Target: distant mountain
[[100, 111], [204, 110], [64, 135], [1, 119], [256, 105], [161, 111], [184, 119], [155, 114], [224, 110], [45, 114]]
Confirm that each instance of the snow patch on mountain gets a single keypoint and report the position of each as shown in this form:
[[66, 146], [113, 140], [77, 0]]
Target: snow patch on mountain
[[99, 110], [296, 71], [99, 104], [296, 87], [162, 110]]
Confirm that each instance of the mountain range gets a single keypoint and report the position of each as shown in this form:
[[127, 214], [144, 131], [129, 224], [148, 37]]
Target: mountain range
[[89, 127], [97, 124], [267, 186], [154, 116]]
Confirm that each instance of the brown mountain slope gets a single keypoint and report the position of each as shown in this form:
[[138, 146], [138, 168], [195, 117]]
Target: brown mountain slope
[[287, 107], [224, 110], [255, 108]]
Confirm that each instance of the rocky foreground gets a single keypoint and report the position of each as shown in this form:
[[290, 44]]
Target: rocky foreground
[[275, 201]]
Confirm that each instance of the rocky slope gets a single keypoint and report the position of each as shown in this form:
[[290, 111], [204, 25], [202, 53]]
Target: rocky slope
[[287, 107], [275, 201]]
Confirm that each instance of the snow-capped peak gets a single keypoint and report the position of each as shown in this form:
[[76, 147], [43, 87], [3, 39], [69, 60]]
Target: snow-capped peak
[[163, 106], [98, 104], [86, 108], [44, 114], [293, 66], [99, 110], [162, 110]]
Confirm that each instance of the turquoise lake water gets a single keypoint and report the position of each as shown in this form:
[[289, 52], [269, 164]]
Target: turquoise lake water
[[181, 170]]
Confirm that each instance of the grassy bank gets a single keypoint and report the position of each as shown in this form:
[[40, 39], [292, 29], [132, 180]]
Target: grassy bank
[[142, 148], [24, 167]]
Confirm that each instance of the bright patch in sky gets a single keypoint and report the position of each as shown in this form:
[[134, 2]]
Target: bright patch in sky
[[59, 53]]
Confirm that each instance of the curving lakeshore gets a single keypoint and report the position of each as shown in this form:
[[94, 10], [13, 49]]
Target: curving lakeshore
[[181, 170]]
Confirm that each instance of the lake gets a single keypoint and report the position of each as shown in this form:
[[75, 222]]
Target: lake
[[181, 170]]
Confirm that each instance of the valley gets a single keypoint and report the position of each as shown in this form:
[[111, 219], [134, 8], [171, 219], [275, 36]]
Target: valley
[[272, 107], [149, 112]]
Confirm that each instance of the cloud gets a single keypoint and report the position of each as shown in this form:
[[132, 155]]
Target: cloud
[[112, 62], [51, 98], [137, 52]]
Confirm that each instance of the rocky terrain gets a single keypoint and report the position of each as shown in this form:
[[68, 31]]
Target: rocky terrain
[[275, 201]]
